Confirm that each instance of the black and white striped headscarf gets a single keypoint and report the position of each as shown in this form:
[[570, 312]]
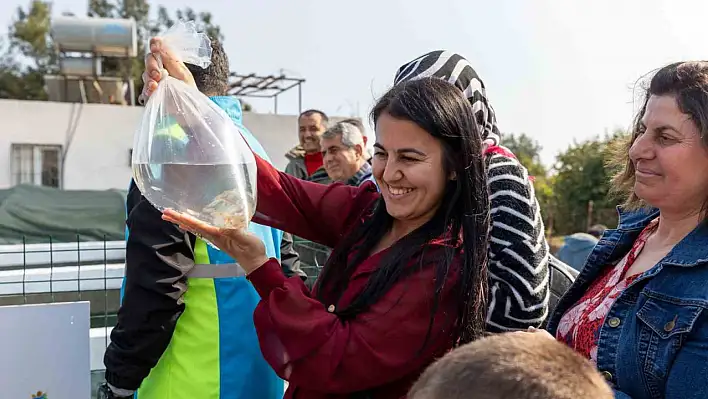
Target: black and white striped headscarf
[[457, 70]]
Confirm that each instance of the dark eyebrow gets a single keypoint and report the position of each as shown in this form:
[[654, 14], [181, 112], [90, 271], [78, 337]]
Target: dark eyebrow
[[662, 128], [659, 129], [412, 150], [403, 150]]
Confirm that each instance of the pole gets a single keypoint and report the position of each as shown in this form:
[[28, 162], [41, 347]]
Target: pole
[[131, 82], [590, 209]]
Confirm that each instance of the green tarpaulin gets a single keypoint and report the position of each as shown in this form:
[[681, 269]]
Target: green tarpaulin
[[37, 213]]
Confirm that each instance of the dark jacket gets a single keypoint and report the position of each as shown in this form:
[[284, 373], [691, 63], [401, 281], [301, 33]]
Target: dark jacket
[[296, 167], [362, 175], [158, 258]]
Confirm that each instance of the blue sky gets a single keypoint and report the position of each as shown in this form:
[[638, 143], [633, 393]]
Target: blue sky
[[556, 70]]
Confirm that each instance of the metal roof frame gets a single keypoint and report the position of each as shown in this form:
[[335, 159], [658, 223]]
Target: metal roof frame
[[270, 86]]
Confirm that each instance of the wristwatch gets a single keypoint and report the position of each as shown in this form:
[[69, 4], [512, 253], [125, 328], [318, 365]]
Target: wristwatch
[[105, 392]]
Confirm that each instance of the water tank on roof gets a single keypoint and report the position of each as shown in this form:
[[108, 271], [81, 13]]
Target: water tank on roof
[[107, 37], [80, 66], [104, 90]]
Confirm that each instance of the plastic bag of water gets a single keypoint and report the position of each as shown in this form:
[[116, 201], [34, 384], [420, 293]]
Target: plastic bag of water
[[188, 155]]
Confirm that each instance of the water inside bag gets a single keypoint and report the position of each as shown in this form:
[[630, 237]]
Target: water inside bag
[[214, 194]]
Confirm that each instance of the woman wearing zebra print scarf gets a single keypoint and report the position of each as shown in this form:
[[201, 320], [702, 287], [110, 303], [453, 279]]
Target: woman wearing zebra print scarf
[[518, 252]]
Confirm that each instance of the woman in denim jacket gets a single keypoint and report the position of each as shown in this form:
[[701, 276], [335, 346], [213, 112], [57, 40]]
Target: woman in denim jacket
[[639, 308]]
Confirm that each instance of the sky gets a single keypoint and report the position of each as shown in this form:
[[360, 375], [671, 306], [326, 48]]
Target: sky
[[559, 71]]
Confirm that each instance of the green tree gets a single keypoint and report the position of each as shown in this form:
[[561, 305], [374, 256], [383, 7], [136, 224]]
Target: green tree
[[247, 107], [139, 10], [528, 151], [204, 21], [581, 177], [29, 54]]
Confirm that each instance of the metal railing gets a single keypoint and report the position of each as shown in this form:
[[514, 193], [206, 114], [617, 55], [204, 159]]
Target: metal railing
[[313, 257], [28, 255], [64, 272], [91, 271]]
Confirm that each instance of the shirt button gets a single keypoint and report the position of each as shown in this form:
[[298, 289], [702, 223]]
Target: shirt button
[[330, 308], [614, 322], [607, 376], [668, 327]]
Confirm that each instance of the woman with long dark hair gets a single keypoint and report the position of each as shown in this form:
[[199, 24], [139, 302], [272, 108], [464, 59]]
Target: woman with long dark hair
[[518, 252], [407, 279]]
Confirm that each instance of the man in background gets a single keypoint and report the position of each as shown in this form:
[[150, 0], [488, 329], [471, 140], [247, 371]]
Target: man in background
[[345, 155], [357, 122], [305, 159]]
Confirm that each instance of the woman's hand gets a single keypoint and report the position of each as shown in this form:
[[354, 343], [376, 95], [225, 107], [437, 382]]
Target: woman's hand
[[154, 71], [246, 248]]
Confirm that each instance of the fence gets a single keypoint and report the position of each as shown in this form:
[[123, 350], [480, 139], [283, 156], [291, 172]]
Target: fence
[[67, 272], [91, 271], [312, 258], [63, 272]]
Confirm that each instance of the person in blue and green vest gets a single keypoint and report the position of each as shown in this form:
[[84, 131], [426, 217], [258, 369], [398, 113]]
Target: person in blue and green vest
[[185, 327]]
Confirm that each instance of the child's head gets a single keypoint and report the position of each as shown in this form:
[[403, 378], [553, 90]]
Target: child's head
[[516, 365]]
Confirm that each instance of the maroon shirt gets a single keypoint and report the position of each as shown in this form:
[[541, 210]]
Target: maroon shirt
[[306, 344]]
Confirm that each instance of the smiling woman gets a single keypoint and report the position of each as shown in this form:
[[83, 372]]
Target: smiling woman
[[519, 295], [407, 279], [408, 165], [638, 308]]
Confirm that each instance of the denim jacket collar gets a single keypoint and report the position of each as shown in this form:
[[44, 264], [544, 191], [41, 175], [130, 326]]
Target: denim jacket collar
[[690, 251], [635, 220]]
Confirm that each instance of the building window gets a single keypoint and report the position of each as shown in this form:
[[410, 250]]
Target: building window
[[38, 165]]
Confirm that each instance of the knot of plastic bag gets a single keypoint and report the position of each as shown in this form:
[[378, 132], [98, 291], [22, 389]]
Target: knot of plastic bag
[[187, 44]]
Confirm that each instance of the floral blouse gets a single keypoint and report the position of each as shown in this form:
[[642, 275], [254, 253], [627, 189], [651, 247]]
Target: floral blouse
[[579, 327]]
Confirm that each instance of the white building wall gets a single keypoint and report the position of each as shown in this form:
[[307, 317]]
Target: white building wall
[[98, 157]]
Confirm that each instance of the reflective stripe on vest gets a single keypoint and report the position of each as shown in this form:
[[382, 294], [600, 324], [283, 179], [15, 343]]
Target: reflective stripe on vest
[[204, 269], [216, 271]]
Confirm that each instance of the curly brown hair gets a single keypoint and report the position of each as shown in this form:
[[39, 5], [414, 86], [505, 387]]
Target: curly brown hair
[[214, 79], [687, 82]]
